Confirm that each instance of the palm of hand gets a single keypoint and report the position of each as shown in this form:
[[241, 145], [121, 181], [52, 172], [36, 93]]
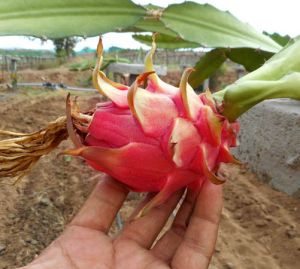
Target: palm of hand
[[189, 243]]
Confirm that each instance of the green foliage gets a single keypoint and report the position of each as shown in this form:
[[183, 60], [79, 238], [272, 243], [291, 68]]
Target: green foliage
[[56, 18], [251, 59], [211, 27], [279, 77], [201, 24], [114, 49], [284, 62], [149, 24], [27, 52], [281, 40], [152, 22], [166, 41], [206, 66], [64, 47], [187, 23]]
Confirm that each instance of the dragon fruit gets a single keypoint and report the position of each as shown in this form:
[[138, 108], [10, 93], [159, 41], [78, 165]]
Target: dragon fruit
[[158, 139]]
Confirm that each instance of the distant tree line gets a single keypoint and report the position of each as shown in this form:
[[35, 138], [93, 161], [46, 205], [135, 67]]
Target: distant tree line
[[27, 52]]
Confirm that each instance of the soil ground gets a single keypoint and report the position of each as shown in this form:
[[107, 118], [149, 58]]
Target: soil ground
[[260, 227]]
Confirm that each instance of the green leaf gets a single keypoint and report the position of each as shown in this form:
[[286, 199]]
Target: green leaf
[[57, 18], [281, 40], [206, 66], [206, 25], [251, 59], [151, 22], [152, 25], [165, 41]]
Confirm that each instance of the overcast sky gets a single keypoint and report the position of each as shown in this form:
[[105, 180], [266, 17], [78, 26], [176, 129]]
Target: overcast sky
[[269, 15]]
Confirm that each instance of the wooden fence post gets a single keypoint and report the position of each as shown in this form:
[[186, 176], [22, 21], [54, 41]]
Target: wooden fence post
[[13, 72]]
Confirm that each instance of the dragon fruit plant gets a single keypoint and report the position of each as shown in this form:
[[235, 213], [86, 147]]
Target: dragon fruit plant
[[157, 138]]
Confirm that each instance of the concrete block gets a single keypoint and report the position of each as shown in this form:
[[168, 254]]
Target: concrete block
[[135, 69], [270, 143]]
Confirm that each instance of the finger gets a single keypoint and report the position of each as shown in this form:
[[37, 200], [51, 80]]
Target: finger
[[199, 240], [144, 230], [101, 207], [166, 247]]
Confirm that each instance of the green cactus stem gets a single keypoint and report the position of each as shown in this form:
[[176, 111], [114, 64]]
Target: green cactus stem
[[277, 78]]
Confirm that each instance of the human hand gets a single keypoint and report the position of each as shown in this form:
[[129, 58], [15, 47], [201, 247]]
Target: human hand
[[189, 243]]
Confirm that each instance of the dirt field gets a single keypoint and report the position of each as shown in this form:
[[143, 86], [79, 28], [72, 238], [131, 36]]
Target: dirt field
[[260, 227]]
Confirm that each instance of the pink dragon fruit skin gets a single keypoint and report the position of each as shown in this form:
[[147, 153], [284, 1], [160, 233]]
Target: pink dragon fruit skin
[[158, 139]]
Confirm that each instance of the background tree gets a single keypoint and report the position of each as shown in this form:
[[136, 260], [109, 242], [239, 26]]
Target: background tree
[[64, 47]]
